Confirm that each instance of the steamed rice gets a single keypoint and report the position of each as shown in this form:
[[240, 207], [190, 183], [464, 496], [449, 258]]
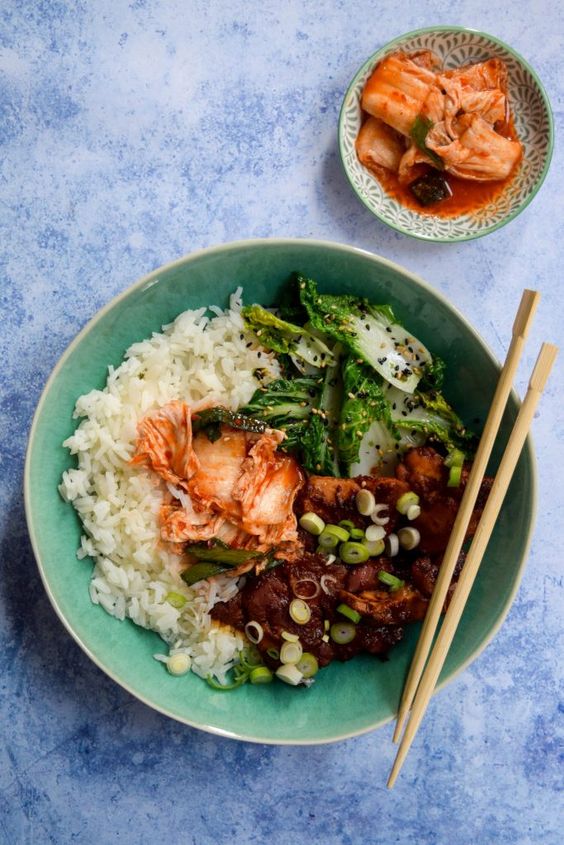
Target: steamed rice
[[195, 357]]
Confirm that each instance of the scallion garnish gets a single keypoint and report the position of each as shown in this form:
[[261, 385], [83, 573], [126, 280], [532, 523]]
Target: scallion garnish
[[390, 580]]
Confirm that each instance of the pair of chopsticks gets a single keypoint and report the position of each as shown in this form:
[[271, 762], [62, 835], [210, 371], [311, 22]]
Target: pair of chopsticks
[[423, 675]]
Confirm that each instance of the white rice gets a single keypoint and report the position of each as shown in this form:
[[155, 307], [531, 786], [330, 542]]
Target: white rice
[[193, 358]]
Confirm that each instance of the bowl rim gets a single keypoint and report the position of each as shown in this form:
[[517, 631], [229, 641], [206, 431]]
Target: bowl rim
[[147, 281], [445, 28]]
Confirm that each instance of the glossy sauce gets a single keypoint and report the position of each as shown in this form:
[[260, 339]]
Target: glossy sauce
[[468, 196]]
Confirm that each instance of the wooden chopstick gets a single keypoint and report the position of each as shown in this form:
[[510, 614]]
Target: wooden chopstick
[[523, 319], [480, 541]]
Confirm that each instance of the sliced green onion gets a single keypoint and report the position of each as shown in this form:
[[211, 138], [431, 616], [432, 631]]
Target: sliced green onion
[[349, 612], [291, 652], [239, 681], [454, 476], [290, 674], [178, 664], [365, 502], [376, 515], [405, 500], [413, 512], [390, 580], [391, 545], [300, 611], [308, 665], [455, 458], [353, 553], [375, 532], [332, 535], [375, 547], [273, 653], [326, 625], [254, 632], [347, 524], [260, 675], [342, 632], [306, 588], [327, 541], [324, 581], [409, 538], [177, 600], [290, 638], [357, 534], [312, 523]]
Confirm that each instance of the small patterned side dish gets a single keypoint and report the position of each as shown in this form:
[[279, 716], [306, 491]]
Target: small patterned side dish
[[533, 121]]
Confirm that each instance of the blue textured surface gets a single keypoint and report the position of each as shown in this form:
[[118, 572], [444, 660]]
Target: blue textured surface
[[132, 133]]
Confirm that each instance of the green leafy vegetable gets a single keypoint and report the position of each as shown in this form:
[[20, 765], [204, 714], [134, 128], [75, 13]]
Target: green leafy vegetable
[[319, 439], [202, 571], [212, 419], [249, 660], [221, 553], [286, 404], [305, 349], [290, 307], [426, 415], [419, 131], [434, 375], [369, 332], [284, 400], [213, 559], [363, 404]]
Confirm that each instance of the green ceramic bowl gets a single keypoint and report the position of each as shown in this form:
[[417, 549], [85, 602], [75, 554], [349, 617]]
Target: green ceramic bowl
[[347, 699], [533, 120]]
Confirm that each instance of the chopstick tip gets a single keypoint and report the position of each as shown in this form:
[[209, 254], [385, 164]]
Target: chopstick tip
[[543, 366], [526, 312]]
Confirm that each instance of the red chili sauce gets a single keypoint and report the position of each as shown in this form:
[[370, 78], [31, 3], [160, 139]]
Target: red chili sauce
[[468, 195]]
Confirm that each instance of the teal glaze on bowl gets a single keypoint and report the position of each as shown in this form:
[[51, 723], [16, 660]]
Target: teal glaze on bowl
[[347, 699], [533, 121]]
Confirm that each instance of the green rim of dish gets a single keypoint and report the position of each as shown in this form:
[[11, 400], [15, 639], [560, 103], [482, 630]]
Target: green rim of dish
[[146, 282], [537, 186]]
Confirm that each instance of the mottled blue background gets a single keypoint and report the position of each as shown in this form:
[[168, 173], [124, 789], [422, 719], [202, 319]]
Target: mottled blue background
[[132, 133]]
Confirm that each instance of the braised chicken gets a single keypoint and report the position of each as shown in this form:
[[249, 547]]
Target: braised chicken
[[424, 472], [265, 600]]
